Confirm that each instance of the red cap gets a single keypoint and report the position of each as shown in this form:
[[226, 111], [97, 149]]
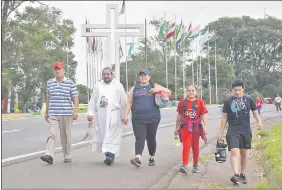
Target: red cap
[[58, 65]]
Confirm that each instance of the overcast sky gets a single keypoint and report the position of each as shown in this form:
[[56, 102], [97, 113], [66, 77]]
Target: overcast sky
[[201, 12]]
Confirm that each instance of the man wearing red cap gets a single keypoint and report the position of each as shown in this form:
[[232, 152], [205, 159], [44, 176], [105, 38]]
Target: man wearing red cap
[[59, 113]]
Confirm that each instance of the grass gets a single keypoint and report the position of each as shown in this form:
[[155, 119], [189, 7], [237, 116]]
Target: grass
[[263, 185], [263, 133], [273, 150], [205, 158], [217, 186]]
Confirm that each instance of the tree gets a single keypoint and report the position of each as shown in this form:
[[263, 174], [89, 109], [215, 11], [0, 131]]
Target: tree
[[82, 94]]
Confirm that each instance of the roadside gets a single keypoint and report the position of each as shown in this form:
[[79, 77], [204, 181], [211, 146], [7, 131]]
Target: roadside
[[216, 175]]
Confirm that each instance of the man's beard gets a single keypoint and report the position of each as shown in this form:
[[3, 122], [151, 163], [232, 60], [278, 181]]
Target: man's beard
[[107, 81]]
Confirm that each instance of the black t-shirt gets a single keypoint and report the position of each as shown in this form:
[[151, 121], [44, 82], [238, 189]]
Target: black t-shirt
[[238, 114]]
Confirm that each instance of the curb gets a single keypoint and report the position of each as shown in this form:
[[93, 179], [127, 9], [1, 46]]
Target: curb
[[165, 181], [35, 155]]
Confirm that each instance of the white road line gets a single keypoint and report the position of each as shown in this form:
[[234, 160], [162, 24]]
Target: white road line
[[10, 131], [80, 122]]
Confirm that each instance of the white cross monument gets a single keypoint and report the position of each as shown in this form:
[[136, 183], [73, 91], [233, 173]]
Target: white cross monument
[[113, 57]]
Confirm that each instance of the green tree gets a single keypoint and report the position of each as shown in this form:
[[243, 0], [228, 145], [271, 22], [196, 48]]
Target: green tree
[[82, 93]]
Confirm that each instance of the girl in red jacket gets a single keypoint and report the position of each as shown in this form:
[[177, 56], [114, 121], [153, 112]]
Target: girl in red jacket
[[191, 124]]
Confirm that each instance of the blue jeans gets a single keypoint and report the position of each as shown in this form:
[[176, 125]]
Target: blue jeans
[[259, 111]]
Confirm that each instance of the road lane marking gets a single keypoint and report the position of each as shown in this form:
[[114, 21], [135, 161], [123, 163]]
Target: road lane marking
[[10, 131]]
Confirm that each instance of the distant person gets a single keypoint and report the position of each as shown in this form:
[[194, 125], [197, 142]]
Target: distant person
[[59, 112], [106, 107], [236, 111], [191, 113], [277, 102], [145, 115], [259, 104]]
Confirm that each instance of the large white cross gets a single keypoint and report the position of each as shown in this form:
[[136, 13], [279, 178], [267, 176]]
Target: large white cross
[[113, 58]]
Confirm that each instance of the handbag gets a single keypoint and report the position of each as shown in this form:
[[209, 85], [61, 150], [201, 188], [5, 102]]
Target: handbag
[[160, 102]]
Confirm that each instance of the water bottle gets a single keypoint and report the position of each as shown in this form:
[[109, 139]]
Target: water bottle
[[177, 140]]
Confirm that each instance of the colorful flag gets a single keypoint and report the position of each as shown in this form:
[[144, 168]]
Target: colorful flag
[[195, 32], [122, 8], [212, 37], [96, 46], [204, 38], [87, 30], [131, 48], [93, 45], [120, 51], [162, 31], [179, 34], [101, 49], [189, 29], [171, 32]]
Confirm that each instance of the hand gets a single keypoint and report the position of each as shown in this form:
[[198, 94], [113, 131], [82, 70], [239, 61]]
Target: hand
[[176, 132], [46, 117], [74, 115], [259, 126], [125, 120], [219, 137], [205, 131], [152, 90], [89, 118]]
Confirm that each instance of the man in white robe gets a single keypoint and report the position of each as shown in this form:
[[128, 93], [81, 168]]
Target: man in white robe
[[106, 107]]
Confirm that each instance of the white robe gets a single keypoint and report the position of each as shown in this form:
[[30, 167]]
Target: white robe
[[107, 105]]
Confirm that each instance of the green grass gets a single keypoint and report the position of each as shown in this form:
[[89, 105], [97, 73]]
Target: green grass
[[263, 133], [217, 186], [273, 149], [262, 185], [205, 158]]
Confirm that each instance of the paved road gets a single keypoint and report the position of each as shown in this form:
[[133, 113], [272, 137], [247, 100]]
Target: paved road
[[88, 171], [29, 135]]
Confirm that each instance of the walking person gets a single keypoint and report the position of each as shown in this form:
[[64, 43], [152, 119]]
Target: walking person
[[106, 107], [191, 124], [259, 104], [145, 115], [59, 112], [277, 102], [236, 111]]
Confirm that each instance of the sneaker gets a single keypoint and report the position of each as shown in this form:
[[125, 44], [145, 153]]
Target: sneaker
[[47, 158], [108, 161], [184, 169], [243, 178], [136, 162], [235, 179], [67, 160], [151, 162], [195, 168]]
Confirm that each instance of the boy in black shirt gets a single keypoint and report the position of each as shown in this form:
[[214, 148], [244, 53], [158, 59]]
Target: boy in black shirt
[[236, 111]]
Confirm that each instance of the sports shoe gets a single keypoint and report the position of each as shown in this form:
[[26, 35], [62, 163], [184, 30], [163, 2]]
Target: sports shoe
[[136, 162], [67, 160], [184, 169], [235, 179], [195, 168], [243, 178], [47, 159], [108, 161], [151, 162]]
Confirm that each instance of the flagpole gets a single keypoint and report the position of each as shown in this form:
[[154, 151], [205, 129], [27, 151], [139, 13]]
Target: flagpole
[[125, 50], [215, 70], [183, 73], [175, 67], [90, 64], [166, 69], [87, 76], [146, 62], [209, 67], [200, 77], [193, 77]]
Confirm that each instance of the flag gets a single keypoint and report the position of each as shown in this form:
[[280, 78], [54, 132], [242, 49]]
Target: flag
[[162, 31], [122, 8], [96, 46], [101, 49], [179, 34], [120, 51], [204, 38], [89, 45], [189, 29], [195, 32], [171, 32], [93, 45], [212, 37], [131, 47]]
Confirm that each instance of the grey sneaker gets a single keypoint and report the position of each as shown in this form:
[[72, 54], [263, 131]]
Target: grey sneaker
[[67, 160], [136, 162], [235, 179], [47, 159], [195, 168], [243, 179], [184, 169]]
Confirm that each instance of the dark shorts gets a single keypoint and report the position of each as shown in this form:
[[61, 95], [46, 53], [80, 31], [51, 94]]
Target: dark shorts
[[240, 140]]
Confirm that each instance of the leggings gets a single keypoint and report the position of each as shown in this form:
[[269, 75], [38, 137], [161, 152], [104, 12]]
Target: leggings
[[144, 131], [278, 106], [190, 140]]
